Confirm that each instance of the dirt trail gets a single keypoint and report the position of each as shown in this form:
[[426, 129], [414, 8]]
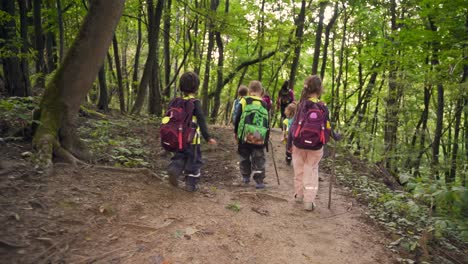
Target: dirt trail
[[91, 215]]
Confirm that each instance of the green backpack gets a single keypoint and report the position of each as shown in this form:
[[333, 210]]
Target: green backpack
[[253, 125]]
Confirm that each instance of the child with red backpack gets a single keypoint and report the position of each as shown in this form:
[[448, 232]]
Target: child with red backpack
[[251, 129], [180, 133], [309, 132]]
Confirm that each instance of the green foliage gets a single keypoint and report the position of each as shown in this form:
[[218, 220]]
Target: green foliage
[[109, 141], [16, 113], [234, 207], [423, 207]]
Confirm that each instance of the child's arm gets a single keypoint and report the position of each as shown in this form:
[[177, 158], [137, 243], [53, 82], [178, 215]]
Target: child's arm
[[201, 120], [335, 135], [238, 114]]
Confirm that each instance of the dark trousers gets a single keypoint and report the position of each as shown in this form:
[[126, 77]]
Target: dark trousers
[[288, 156], [252, 159], [188, 161]]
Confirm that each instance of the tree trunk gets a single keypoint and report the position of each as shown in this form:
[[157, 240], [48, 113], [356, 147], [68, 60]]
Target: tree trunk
[[24, 47], [453, 162], [167, 50], [61, 30], [391, 117], [103, 103], [327, 40], [318, 38], [298, 44], [51, 56], [16, 83], [60, 104], [440, 106], [154, 101], [206, 79], [118, 67], [336, 96], [260, 39], [219, 79], [153, 29], [136, 63], [39, 41]]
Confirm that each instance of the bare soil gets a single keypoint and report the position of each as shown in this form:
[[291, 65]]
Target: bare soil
[[95, 215]]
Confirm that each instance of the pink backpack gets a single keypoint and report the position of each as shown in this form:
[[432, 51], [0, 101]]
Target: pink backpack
[[178, 131], [309, 127]]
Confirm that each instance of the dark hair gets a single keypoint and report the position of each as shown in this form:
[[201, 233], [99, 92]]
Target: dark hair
[[243, 90], [285, 85], [189, 82], [312, 84]]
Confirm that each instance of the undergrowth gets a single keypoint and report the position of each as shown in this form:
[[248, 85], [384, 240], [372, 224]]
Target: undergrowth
[[416, 216]]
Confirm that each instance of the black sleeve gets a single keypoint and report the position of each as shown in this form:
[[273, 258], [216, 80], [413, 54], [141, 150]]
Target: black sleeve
[[237, 116], [198, 112]]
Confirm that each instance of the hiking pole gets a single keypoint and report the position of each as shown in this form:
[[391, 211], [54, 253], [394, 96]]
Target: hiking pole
[[274, 162], [332, 177]]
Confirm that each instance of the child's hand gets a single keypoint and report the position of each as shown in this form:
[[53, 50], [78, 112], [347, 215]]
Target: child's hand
[[212, 141]]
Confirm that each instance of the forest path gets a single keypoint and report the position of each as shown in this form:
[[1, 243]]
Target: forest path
[[90, 215]]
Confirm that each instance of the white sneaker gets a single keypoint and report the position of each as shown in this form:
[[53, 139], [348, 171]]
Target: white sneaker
[[298, 199], [309, 206]]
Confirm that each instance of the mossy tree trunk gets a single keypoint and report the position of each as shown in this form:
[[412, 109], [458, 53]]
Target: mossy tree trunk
[[60, 104]]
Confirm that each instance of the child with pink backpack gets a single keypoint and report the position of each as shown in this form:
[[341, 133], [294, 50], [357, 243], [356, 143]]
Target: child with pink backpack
[[309, 132]]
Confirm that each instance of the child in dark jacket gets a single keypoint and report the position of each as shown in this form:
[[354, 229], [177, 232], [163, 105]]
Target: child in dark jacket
[[189, 161], [251, 146]]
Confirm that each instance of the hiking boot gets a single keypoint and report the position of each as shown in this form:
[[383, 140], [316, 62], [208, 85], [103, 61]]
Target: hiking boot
[[191, 183], [298, 199], [309, 206], [191, 188]]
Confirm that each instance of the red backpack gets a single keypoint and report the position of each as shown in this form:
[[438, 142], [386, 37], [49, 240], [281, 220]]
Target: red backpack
[[310, 126], [177, 129]]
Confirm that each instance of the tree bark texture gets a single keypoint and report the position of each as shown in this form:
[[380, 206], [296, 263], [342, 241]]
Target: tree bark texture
[[39, 40], [167, 50], [16, 82], [328, 29], [61, 30], [297, 44], [72, 81], [103, 103], [118, 67], [136, 62], [155, 100], [391, 116], [206, 79], [318, 38]]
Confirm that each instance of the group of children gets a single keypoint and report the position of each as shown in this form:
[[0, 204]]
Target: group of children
[[251, 122]]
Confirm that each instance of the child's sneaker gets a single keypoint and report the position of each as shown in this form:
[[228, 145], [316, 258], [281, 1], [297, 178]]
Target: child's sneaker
[[309, 206], [298, 199], [191, 188], [260, 185], [241, 182]]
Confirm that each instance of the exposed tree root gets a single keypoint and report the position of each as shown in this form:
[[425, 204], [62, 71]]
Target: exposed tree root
[[260, 195]]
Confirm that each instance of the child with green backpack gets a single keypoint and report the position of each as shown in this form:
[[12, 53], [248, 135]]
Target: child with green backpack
[[251, 128]]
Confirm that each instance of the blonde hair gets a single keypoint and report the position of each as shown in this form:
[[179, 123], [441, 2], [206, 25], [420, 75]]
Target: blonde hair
[[255, 87], [290, 110]]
